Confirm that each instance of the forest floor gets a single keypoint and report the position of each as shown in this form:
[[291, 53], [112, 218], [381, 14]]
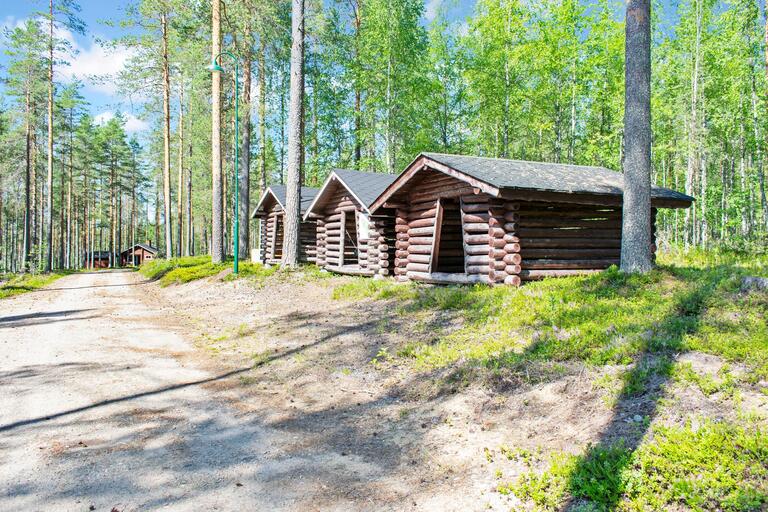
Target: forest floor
[[306, 391]]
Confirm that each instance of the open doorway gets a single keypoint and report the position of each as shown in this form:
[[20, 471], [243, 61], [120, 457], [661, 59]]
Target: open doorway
[[349, 251], [448, 253], [277, 238]]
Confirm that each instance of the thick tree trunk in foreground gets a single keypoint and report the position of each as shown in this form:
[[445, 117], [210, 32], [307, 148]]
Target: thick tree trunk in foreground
[[295, 114], [217, 208], [166, 141], [636, 252]]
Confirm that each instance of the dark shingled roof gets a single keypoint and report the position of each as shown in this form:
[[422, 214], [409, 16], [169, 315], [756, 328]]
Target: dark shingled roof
[[307, 196], [367, 186], [542, 176], [146, 247]]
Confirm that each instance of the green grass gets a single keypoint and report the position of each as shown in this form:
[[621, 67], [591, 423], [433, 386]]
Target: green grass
[[717, 466], [22, 283], [691, 302], [191, 268]]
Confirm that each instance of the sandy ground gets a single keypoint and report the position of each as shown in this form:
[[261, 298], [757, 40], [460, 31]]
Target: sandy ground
[[98, 413], [118, 395]]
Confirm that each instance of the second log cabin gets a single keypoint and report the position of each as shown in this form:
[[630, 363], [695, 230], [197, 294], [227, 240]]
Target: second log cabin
[[465, 219], [349, 239], [271, 213]]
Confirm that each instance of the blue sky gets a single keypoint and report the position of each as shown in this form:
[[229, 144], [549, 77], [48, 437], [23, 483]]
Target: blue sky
[[92, 59]]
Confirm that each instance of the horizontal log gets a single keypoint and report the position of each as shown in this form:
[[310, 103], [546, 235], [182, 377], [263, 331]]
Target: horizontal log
[[421, 231], [474, 199], [474, 208], [417, 267], [513, 269], [528, 222], [568, 233], [421, 223], [474, 217], [496, 222], [545, 264], [512, 258], [497, 265], [512, 247], [479, 259], [512, 216], [496, 254], [476, 239], [497, 232], [401, 221], [423, 214], [511, 227], [419, 249], [477, 269], [401, 229], [545, 243], [419, 258], [447, 278], [512, 280], [477, 249], [476, 227], [560, 253]]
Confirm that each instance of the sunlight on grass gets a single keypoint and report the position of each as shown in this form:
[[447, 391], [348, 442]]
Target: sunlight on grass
[[16, 284], [691, 302], [715, 466]]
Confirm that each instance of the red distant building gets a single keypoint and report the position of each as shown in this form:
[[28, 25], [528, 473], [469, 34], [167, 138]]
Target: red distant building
[[138, 254]]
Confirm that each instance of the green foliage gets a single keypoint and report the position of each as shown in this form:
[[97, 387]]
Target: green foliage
[[717, 466], [22, 283], [157, 268]]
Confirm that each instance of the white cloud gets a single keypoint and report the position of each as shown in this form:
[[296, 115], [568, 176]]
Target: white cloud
[[94, 64], [431, 9], [132, 123]]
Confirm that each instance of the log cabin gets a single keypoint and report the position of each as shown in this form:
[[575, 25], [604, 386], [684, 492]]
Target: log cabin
[[349, 239], [466, 219], [138, 254], [271, 211]]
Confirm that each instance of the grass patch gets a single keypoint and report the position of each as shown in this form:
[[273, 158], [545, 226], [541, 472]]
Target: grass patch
[[717, 466], [158, 268], [16, 284], [691, 301]]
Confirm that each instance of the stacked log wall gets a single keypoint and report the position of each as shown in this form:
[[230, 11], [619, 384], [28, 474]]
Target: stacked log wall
[[381, 254], [558, 239]]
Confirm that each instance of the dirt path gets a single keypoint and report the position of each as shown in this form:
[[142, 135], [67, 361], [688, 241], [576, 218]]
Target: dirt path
[[99, 411]]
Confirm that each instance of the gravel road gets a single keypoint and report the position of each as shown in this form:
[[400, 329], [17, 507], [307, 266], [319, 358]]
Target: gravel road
[[98, 412]]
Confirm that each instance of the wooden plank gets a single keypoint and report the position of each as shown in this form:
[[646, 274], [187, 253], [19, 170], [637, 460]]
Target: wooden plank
[[438, 222]]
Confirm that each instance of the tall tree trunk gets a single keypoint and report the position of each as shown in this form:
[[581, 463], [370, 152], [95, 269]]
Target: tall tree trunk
[[166, 140], [70, 186], [262, 114], [188, 250], [157, 216], [636, 253], [245, 152], [358, 95], [295, 125], [49, 200], [692, 169], [27, 244], [217, 208], [180, 184]]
